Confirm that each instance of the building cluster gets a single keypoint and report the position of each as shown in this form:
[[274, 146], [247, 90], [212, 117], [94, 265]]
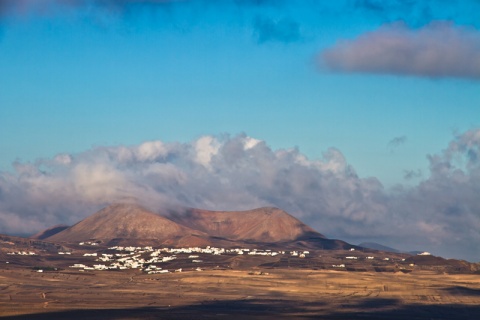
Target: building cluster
[[208, 250], [148, 259], [22, 253], [425, 253], [88, 243]]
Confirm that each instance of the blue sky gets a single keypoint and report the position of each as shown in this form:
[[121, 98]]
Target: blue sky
[[389, 84]]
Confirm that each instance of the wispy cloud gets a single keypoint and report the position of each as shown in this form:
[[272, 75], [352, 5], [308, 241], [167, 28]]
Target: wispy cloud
[[412, 174], [397, 141], [229, 173], [35, 6], [438, 50], [45, 6], [416, 12], [284, 30]]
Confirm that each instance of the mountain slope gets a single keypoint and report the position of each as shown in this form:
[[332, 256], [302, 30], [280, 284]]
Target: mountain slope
[[262, 224], [49, 232], [124, 221]]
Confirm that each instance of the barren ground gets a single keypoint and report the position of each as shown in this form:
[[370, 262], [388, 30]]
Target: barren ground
[[282, 293]]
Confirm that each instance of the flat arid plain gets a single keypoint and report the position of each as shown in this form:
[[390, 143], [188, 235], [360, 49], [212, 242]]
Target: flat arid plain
[[238, 294]]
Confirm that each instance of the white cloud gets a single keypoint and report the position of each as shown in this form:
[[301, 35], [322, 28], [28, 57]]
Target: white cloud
[[250, 142], [151, 150], [64, 159], [438, 50], [97, 182], [206, 147]]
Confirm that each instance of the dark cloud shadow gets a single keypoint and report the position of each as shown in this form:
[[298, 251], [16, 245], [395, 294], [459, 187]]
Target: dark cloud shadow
[[275, 308], [463, 291]]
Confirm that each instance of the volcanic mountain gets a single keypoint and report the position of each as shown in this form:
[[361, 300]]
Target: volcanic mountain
[[135, 225], [262, 224], [127, 222]]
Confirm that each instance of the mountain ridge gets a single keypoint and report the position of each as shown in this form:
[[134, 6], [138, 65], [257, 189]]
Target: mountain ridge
[[126, 223], [267, 224], [123, 221]]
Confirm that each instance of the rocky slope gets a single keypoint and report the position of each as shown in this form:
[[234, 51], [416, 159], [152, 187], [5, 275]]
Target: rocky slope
[[125, 221], [262, 224]]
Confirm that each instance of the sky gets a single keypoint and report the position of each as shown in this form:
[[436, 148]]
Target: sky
[[359, 117]]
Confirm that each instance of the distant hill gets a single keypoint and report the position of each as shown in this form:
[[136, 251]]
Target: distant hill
[[13, 243], [380, 247], [377, 246], [49, 232]]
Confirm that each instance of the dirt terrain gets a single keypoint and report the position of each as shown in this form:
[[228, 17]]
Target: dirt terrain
[[237, 294]]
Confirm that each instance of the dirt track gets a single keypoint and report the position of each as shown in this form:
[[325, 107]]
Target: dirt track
[[25, 294]]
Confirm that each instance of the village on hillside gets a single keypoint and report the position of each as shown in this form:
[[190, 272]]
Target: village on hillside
[[87, 256]]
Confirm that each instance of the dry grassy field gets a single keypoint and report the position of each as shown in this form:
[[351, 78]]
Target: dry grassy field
[[277, 293]]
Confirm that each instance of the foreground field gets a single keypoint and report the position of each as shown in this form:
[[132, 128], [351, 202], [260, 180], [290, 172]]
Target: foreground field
[[25, 294]]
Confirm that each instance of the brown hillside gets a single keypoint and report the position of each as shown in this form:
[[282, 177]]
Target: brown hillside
[[261, 225], [124, 221], [49, 232]]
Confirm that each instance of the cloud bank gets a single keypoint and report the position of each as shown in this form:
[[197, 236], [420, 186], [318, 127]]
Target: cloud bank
[[438, 50], [441, 213]]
